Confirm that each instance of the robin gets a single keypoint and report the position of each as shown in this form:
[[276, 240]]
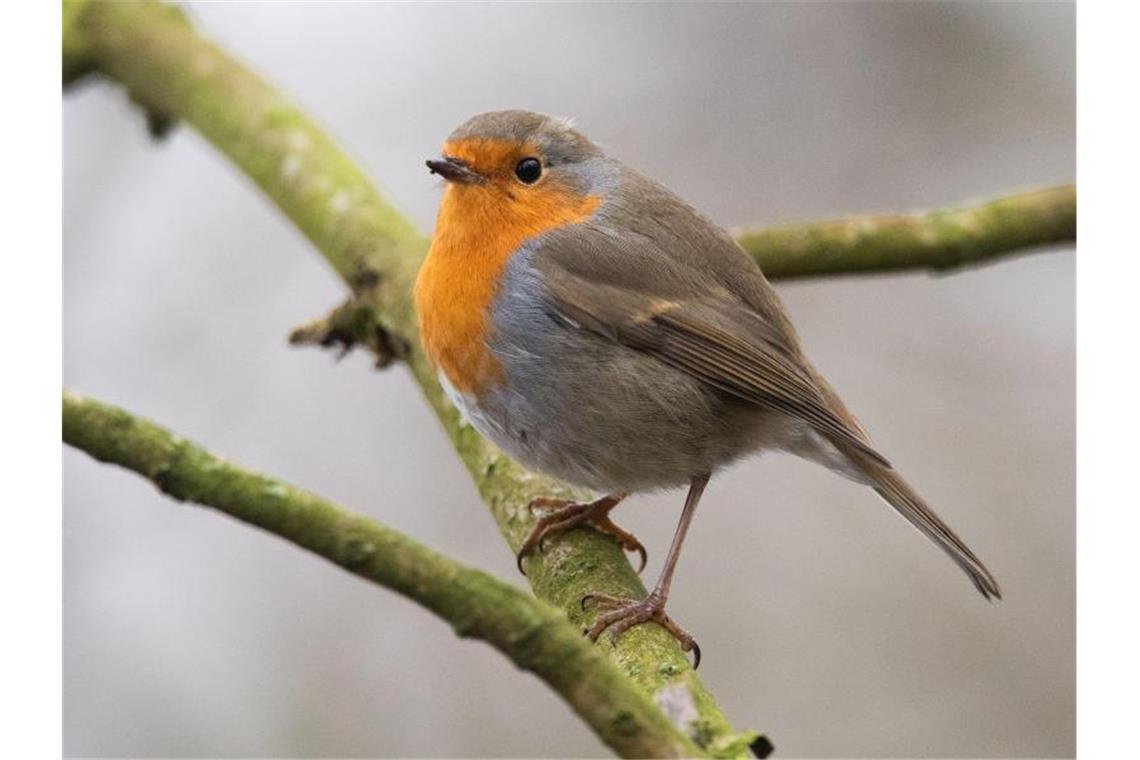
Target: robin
[[599, 329]]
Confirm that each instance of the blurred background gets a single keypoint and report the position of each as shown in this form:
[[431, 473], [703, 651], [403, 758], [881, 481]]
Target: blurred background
[[825, 620]]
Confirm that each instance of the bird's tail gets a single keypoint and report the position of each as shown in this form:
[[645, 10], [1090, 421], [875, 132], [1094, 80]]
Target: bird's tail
[[895, 491]]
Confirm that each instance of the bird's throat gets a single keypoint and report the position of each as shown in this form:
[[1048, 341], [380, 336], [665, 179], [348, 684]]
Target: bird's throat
[[478, 229]]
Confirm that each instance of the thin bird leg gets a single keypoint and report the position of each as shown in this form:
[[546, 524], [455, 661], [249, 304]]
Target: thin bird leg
[[563, 515], [622, 614]]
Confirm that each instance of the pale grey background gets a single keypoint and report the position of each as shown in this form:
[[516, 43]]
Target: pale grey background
[[824, 619]]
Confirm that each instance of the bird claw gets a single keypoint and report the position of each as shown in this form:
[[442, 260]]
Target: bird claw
[[617, 615], [545, 502], [563, 515]]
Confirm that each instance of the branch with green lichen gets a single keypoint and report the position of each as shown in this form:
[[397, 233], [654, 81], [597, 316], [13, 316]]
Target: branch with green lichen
[[169, 69], [938, 240], [173, 73], [534, 635]]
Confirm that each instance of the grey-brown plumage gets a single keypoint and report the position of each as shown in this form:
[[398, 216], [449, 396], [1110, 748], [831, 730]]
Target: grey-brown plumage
[[642, 348]]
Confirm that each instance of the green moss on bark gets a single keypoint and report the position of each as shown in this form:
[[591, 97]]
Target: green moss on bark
[[937, 240]]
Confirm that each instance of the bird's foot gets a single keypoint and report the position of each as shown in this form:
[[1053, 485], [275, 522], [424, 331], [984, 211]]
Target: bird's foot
[[562, 515], [619, 615]]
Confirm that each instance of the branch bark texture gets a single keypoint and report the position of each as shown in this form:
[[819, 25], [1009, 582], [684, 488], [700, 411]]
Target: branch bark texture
[[937, 240], [533, 634]]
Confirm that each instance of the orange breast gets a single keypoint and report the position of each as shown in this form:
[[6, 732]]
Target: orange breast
[[478, 228]]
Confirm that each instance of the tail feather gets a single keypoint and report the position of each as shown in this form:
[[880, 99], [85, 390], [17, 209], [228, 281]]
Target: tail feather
[[896, 492]]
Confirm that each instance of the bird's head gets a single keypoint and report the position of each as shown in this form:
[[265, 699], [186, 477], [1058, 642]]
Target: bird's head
[[518, 166]]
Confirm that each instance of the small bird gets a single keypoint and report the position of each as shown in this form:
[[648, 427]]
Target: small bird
[[599, 329]]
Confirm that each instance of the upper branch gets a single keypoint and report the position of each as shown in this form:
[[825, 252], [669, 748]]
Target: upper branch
[[531, 633], [939, 240]]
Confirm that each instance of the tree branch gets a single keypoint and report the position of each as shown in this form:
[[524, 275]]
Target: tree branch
[[938, 240], [169, 69], [534, 635]]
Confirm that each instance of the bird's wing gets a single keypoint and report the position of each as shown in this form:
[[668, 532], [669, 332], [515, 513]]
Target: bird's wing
[[687, 320], [693, 300]]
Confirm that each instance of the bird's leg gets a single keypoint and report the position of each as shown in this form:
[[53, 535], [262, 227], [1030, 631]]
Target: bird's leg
[[563, 514], [619, 615]]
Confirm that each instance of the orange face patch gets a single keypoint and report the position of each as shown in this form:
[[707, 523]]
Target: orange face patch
[[478, 228]]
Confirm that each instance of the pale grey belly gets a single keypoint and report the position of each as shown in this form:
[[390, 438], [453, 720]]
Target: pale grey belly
[[581, 408], [612, 420]]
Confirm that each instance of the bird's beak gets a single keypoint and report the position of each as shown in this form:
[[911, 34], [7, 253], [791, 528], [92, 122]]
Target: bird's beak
[[454, 170]]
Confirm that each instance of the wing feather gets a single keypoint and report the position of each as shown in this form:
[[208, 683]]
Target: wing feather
[[716, 339]]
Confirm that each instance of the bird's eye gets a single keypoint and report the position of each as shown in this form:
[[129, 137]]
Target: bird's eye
[[529, 170]]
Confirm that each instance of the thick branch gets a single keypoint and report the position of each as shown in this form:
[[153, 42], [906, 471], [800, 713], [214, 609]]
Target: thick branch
[[534, 635], [169, 69], [939, 240]]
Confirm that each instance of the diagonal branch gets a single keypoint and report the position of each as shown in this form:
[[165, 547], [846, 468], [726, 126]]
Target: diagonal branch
[[534, 635]]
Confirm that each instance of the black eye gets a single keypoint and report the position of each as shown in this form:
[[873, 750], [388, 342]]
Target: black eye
[[529, 170]]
